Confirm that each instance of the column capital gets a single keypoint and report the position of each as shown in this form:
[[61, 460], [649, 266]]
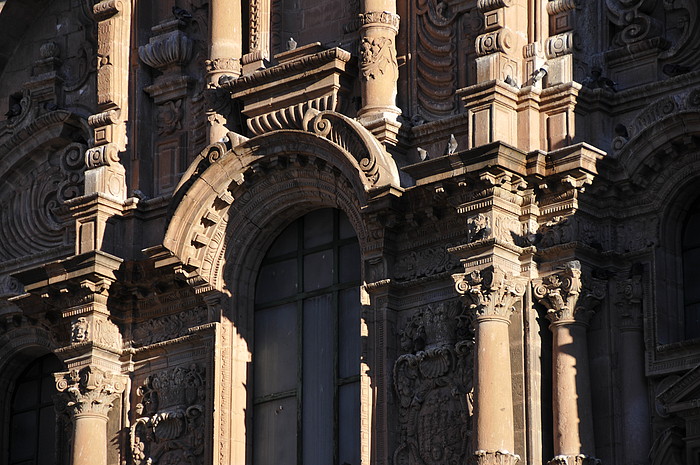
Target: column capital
[[494, 457], [567, 298], [89, 390], [579, 459], [490, 293]]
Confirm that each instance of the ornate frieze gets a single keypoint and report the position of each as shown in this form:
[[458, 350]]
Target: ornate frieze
[[424, 262], [566, 297], [167, 327], [169, 424], [491, 292], [89, 390], [433, 381]]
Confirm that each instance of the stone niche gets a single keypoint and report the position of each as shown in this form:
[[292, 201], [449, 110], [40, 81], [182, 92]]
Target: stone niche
[[306, 77]]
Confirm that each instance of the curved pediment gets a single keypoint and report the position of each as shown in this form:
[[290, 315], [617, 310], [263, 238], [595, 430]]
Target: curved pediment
[[335, 163]]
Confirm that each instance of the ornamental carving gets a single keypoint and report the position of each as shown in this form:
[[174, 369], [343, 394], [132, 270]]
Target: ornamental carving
[[630, 292], [170, 424], [565, 296], [579, 459], [478, 228], [632, 20], [377, 57], [37, 198], [559, 45], [492, 42], [425, 262], [168, 327], [490, 293], [79, 330], [89, 390], [171, 48], [433, 381], [169, 117], [104, 155], [379, 17], [494, 457]]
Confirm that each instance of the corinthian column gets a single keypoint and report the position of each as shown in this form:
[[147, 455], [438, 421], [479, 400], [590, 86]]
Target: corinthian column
[[570, 307], [87, 396], [490, 295], [379, 71]]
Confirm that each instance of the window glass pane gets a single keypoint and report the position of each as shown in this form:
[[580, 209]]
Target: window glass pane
[[23, 436], [276, 281], [318, 228], [287, 241], [346, 229], [26, 395], [349, 424], [274, 433], [349, 263], [47, 434], [318, 270], [318, 380], [349, 332], [275, 349]]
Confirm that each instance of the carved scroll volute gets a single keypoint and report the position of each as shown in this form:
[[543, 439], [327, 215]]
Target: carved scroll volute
[[491, 293], [89, 390], [565, 296], [633, 19]]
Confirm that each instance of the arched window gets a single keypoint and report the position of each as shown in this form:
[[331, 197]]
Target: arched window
[[690, 250], [32, 414], [306, 355]]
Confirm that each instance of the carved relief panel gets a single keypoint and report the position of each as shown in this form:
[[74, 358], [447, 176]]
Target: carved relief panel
[[169, 428], [433, 382]]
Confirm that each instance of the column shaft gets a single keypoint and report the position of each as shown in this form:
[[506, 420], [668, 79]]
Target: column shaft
[[573, 423], [636, 417], [492, 384], [90, 439]]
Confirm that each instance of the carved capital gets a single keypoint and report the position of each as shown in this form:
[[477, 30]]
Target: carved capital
[[490, 293], [579, 459], [494, 457], [89, 390], [565, 296]]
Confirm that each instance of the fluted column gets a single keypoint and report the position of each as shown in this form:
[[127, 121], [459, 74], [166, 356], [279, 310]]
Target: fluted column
[[88, 395], [636, 418], [570, 307], [379, 71], [490, 295]]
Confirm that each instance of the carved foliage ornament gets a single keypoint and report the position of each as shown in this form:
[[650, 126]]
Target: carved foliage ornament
[[377, 57], [90, 390], [566, 298], [170, 426], [491, 292], [426, 262], [433, 382]]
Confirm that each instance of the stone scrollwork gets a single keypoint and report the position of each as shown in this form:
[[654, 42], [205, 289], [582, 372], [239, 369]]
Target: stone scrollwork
[[492, 42], [490, 293], [104, 155], [377, 57], [170, 424], [89, 390], [565, 296], [433, 382], [632, 18]]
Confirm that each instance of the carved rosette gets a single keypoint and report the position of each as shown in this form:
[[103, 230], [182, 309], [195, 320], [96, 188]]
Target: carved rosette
[[89, 390], [579, 459], [491, 293], [565, 297], [170, 426], [433, 382], [495, 457]]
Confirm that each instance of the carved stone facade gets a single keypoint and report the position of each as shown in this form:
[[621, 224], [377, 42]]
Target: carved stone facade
[[521, 178]]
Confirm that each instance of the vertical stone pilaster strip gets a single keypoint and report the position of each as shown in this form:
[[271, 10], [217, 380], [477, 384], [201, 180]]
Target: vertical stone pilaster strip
[[570, 307], [636, 418], [490, 296]]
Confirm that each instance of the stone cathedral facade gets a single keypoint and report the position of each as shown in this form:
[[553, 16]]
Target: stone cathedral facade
[[349, 232]]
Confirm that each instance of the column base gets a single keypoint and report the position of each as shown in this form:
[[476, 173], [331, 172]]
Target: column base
[[494, 457], [579, 459]]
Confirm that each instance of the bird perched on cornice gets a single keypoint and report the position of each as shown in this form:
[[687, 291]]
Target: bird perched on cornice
[[540, 74], [422, 153], [182, 14], [511, 82], [291, 44], [451, 145]]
